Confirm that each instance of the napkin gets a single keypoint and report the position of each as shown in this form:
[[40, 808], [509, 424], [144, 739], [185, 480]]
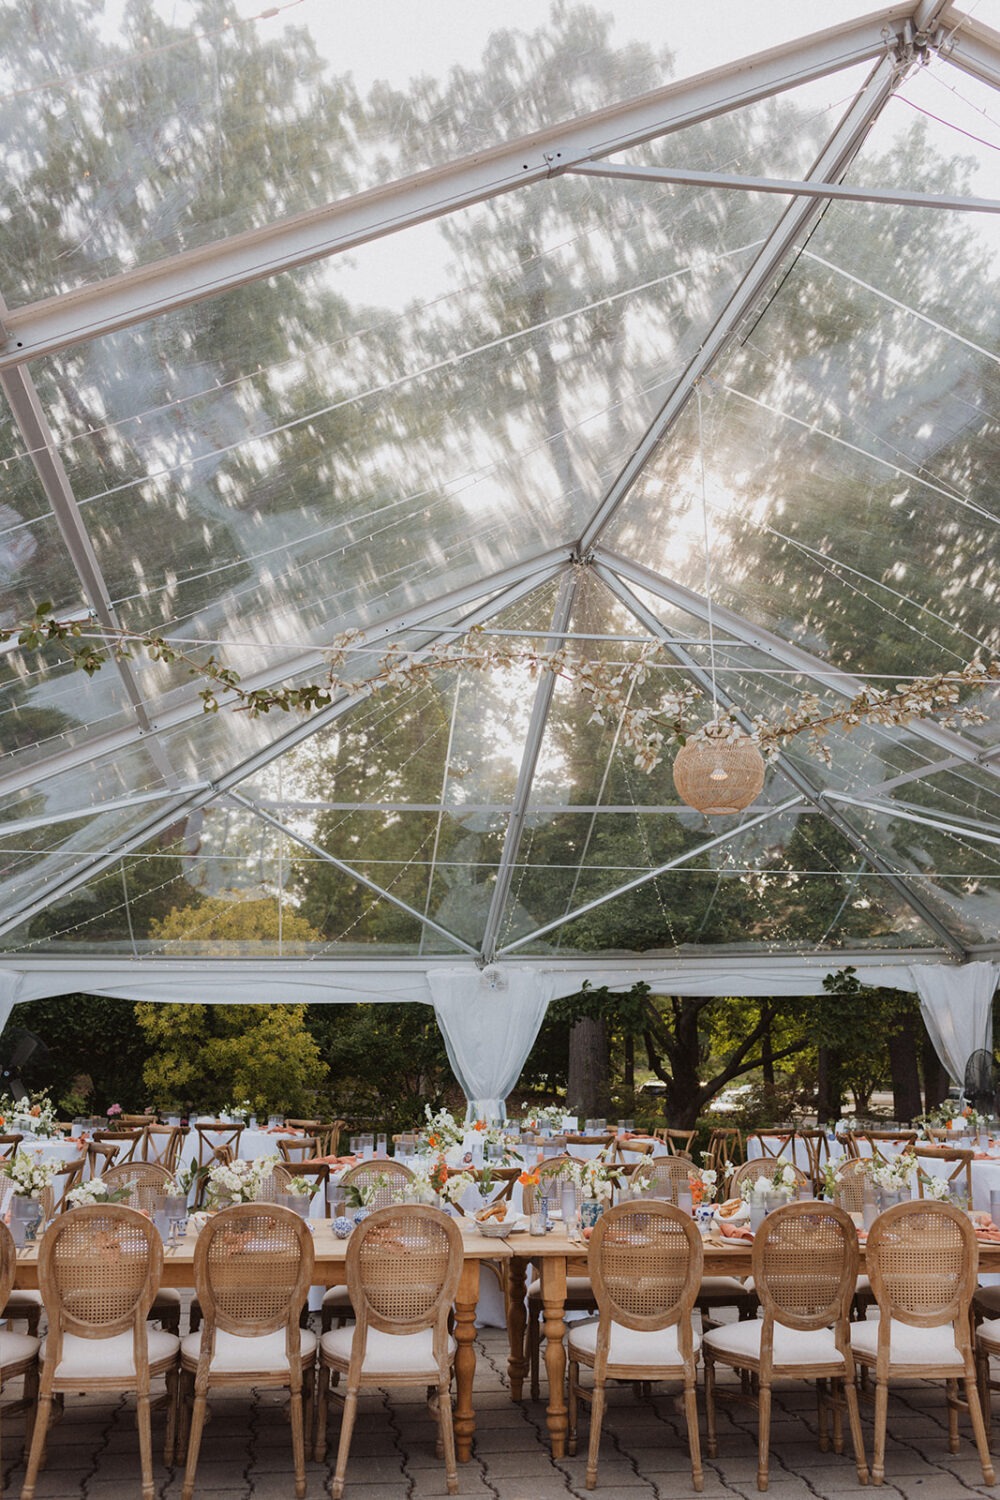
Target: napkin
[[735, 1231]]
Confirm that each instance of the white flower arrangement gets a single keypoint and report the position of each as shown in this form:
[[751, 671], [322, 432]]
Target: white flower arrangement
[[29, 1116], [239, 1181], [419, 1189], [28, 1173], [442, 1129], [96, 1191], [935, 1188], [783, 1179], [833, 1176], [596, 1179], [302, 1187], [241, 1111], [892, 1174], [456, 1185], [543, 1117], [846, 1126], [709, 1183]]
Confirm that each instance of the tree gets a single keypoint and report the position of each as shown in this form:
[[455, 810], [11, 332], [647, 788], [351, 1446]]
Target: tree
[[205, 1055], [386, 1061], [864, 1027]]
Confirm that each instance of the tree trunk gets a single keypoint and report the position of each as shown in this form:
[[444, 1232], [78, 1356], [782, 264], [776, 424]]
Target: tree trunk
[[906, 1104], [827, 1087], [587, 1081], [766, 1050], [936, 1080], [628, 1079]]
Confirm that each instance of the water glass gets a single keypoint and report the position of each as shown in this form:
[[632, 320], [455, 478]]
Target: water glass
[[758, 1212], [338, 1200], [367, 1145], [355, 1144], [568, 1204], [381, 1147], [995, 1205], [539, 1219], [685, 1201]]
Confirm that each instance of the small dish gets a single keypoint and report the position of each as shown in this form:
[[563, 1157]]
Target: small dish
[[495, 1229]]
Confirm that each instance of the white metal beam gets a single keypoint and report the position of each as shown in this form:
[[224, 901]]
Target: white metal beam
[[838, 681], [787, 187], [349, 870], [91, 311], [977, 832], [794, 222], [787, 768], [971, 46], [677, 862], [533, 572], [544, 690]]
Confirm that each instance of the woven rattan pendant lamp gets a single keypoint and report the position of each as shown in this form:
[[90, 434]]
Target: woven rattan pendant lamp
[[719, 769]]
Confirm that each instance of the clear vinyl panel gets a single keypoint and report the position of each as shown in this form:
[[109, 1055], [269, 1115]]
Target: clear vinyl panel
[[305, 453], [791, 885]]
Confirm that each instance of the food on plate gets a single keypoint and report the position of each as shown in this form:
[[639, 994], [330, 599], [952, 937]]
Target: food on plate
[[496, 1211], [730, 1207]]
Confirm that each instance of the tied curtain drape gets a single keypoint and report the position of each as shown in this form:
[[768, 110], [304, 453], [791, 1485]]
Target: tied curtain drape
[[957, 1007], [489, 1020]]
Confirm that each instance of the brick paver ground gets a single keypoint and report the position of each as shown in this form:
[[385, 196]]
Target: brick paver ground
[[246, 1454]]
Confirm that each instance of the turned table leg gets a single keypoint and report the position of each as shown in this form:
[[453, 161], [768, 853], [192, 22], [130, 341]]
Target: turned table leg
[[465, 1359], [553, 1271], [517, 1365]]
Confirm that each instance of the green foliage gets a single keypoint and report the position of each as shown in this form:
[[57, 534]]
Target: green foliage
[[386, 1061], [856, 1021], [96, 1031]]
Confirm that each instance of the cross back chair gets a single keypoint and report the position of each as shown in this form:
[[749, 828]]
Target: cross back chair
[[403, 1268], [772, 1143], [725, 1148], [99, 1268], [645, 1262], [162, 1145], [215, 1134], [9, 1145], [300, 1148], [129, 1143], [922, 1262], [252, 1269], [960, 1178], [816, 1145], [878, 1142], [677, 1142], [805, 1265]]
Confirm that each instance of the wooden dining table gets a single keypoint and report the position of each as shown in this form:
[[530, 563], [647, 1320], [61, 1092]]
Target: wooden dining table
[[331, 1255], [557, 1255]]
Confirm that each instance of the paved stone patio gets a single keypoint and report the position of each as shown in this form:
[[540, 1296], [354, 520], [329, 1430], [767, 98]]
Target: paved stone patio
[[246, 1453]]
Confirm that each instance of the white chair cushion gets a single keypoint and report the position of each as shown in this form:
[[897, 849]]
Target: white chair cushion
[[578, 1288], [109, 1359], [989, 1331], [631, 1346], [386, 1353], [792, 1346], [908, 1345], [337, 1296], [252, 1354], [15, 1347]]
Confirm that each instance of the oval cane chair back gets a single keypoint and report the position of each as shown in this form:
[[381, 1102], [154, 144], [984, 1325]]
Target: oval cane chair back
[[403, 1270], [645, 1264], [805, 1265], [553, 1174], [99, 1268], [144, 1179], [921, 1260], [853, 1174], [664, 1175], [396, 1177], [763, 1166], [253, 1266]]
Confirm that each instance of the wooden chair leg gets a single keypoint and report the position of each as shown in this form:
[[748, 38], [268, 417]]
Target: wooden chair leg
[[322, 1405], [596, 1418], [344, 1446], [710, 1436], [38, 1437], [854, 1423], [763, 1434], [572, 1407], [979, 1429], [694, 1436], [298, 1442], [881, 1416], [145, 1427], [194, 1442], [447, 1437], [170, 1436]]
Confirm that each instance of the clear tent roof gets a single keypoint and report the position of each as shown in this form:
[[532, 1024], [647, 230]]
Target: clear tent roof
[[320, 320]]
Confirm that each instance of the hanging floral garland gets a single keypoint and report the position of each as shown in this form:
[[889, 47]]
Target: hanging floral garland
[[646, 731]]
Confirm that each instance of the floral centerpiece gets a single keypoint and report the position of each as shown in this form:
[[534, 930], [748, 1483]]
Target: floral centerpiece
[[240, 1111], [456, 1185], [362, 1194], [596, 1178], [833, 1177], [544, 1117], [847, 1125], [892, 1174], [96, 1191], [420, 1188], [442, 1130], [29, 1116], [28, 1173], [238, 1181], [114, 1114], [704, 1185], [783, 1179], [936, 1188], [302, 1187]]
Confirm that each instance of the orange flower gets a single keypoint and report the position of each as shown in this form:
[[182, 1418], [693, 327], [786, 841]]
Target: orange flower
[[529, 1179], [697, 1190], [433, 1141], [35, 1110], [479, 1125]]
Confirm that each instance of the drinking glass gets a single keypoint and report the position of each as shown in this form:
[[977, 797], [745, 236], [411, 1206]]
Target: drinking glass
[[995, 1205], [381, 1145], [355, 1144]]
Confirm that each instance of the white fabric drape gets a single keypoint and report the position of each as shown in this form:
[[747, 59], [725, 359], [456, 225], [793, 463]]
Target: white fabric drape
[[957, 1007], [489, 1019]]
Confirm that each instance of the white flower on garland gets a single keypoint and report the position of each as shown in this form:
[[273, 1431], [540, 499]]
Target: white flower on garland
[[893, 1174], [935, 1188]]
